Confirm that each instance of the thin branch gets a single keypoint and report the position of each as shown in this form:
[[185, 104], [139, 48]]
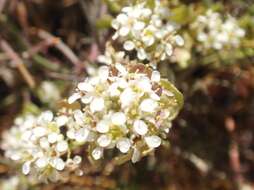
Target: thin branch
[[37, 48], [18, 63], [61, 46]]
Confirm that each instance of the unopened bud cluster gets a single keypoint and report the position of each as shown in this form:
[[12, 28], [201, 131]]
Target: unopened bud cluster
[[215, 32], [148, 31]]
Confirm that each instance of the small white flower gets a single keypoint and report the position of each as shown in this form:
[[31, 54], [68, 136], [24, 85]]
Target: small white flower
[[153, 141]]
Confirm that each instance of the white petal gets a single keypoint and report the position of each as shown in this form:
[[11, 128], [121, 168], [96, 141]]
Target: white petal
[[41, 162], [156, 77], [86, 99], [104, 140], [127, 97], [97, 104], [61, 120], [62, 146], [39, 131], [102, 126], [71, 134], [145, 84], [140, 127], [26, 168], [52, 137], [128, 45], [153, 141], [124, 31], [138, 25], [121, 69], [148, 105], [148, 40], [113, 90], [179, 40], [59, 164], [142, 54], [169, 49], [122, 18], [44, 143], [85, 86], [74, 97], [97, 153], [79, 117], [115, 24], [103, 73], [135, 156], [118, 118], [46, 116], [123, 145], [77, 159], [82, 135]]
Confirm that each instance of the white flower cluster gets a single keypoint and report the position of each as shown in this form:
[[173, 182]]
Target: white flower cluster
[[39, 144], [215, 32], [148, 31], [128, 107]]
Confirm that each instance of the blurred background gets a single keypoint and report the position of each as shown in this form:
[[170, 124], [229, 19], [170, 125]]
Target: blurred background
[[47, 46]]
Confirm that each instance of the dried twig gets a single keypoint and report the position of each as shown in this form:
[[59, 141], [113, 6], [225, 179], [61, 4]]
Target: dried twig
[[37, 48], [60, 45], [18, 63]]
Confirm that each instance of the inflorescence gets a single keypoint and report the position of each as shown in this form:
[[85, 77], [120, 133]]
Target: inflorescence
[[215, 32], [147, 31]]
